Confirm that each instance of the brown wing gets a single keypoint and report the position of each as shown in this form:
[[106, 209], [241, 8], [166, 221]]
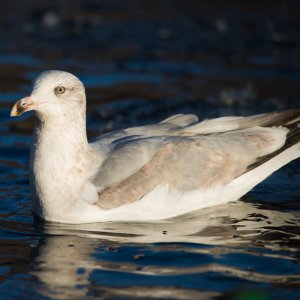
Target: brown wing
[[195, 162]]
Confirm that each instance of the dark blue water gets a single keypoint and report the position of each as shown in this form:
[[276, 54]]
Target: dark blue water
[[141, 63]]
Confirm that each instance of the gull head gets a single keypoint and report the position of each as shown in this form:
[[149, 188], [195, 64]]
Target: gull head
[[55, 94]]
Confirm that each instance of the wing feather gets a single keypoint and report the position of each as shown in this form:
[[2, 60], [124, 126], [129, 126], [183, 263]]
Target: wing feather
[[186, 155], [195, 162], [224, 124]]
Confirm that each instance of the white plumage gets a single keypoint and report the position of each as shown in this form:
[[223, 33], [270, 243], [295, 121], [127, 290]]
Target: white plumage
[[145, 173]]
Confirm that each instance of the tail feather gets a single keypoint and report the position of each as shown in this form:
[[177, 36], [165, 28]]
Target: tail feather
[[285, 118], [245, 182], [289, 119]]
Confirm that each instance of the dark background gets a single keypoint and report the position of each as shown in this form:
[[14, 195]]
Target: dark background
[[210, 57]]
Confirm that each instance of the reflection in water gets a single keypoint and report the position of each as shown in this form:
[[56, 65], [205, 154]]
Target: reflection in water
[[228, 224], [71, 255], [61, 265]]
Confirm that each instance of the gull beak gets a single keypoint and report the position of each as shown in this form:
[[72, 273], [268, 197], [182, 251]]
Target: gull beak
[[23, 105]]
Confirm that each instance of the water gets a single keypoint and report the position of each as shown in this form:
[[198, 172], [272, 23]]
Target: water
[[140, 67]]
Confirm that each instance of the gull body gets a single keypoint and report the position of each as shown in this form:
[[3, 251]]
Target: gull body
[[145, 173]]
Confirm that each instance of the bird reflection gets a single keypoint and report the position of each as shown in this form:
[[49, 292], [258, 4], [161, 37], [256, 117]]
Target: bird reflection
[[66, 260], [61, 261], [225, 224]]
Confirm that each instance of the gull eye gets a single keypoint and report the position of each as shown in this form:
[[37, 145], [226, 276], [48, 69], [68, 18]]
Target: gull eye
[[60, 90]]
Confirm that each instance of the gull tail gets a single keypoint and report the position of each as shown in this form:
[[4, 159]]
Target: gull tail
[[244, 183], [289, 119], [267, 165]]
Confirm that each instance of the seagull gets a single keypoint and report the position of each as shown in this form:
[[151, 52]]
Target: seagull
[[145, 173]]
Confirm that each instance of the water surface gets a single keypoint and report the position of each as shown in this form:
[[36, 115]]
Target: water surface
[[237, 61]]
